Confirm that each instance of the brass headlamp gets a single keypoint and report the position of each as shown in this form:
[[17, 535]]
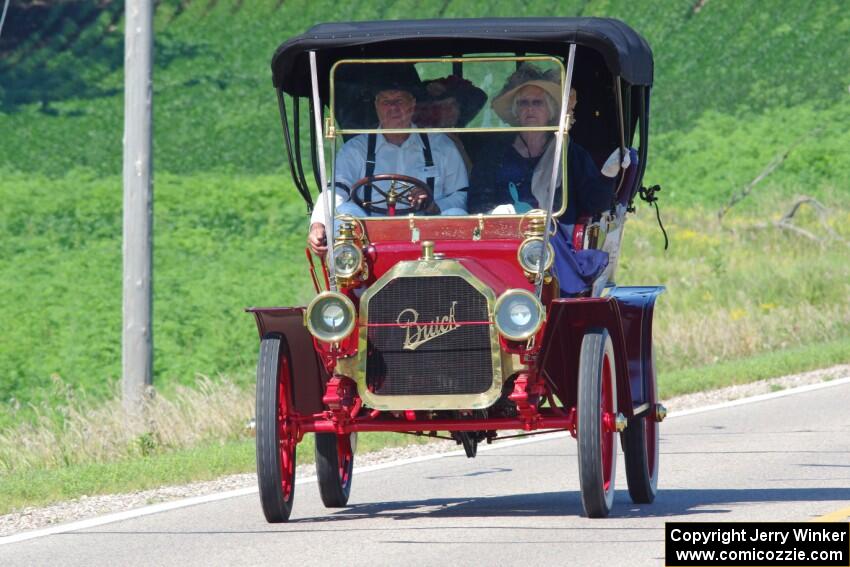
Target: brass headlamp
[[529, 252], [349, 265]]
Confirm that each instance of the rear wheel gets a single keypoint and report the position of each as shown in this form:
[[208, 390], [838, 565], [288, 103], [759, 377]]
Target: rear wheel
[[275, 441], [641, 449], [334, 467], [597, 441], [640, 446]]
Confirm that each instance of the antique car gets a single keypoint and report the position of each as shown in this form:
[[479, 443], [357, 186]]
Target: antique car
[[458, 325]]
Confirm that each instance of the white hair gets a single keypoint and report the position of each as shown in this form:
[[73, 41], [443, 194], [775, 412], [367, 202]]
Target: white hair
[[551, 105]]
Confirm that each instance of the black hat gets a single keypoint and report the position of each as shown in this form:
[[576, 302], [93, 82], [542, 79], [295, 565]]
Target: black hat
[[469, 97], [357, 84], [395, 77]]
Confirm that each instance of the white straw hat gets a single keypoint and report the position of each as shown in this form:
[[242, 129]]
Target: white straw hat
[[526, 75]]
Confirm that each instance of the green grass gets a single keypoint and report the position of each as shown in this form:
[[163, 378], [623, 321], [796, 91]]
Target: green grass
[[206, 462], [758, 367], [33, 488], [221, 244], [739, 289]]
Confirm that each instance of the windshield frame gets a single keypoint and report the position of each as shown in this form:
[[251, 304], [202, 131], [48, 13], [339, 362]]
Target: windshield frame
[[335, 134]]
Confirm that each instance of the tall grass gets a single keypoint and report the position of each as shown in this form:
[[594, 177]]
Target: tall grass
[[742, 288], [96, 431]]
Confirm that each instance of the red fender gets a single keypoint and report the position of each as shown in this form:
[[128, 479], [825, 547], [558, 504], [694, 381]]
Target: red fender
[[637, 306], [309, 375], [568, 319]]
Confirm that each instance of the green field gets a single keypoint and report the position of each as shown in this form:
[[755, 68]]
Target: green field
[[736, 85]]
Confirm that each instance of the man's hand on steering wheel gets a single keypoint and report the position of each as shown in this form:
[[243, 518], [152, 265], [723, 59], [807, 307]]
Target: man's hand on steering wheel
[[417, 198]]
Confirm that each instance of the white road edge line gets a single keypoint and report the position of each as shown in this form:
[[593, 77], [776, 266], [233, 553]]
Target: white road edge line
[[165, 506]]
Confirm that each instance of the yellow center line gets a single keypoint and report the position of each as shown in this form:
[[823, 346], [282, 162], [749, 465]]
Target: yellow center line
[[837, 516]]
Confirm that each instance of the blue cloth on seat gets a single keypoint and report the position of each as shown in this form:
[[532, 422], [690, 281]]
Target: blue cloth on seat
[[575, 269]]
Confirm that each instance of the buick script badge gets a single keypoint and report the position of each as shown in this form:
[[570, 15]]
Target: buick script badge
[[416, 334]]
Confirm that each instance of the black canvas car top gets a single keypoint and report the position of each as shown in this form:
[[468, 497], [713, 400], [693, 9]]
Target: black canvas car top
[[625, 52]]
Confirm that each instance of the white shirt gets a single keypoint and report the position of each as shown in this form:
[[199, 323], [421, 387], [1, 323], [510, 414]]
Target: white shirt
[[448, 171]]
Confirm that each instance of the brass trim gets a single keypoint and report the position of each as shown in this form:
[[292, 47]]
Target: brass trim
[[351, 231], [474, 130], [427, 250], [536, 220], [478, 231], [340, 275], [346, 366], [512, 364], [540, 311], [422, 268], [532, 271], [348, 328], [360, 233], [620, 422]]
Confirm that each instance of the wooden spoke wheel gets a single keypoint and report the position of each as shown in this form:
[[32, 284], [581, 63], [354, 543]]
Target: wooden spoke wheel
[[334, 467], [275, 439], [597, 437], [640, 448]]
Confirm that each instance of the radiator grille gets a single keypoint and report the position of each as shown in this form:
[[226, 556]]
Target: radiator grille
[[428, 360]]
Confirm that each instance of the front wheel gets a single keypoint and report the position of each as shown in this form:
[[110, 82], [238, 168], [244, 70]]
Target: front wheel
[[334, 467], [275, 441], [597, 438]]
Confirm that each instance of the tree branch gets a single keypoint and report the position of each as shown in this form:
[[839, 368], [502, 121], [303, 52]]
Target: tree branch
[[771, 167]]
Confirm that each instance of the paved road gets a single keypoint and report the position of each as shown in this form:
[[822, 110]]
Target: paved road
[[786, 458]]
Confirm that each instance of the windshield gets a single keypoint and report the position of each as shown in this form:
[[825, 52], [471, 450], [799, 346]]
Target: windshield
[[448, 137]]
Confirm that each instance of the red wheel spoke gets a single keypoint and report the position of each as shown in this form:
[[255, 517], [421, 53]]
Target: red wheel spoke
[[607, 403], [344, 456]]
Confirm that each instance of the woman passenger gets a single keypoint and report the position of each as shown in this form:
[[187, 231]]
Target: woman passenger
[[515, 178]]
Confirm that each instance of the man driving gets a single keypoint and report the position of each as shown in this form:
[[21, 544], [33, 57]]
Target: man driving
[[431, 158]]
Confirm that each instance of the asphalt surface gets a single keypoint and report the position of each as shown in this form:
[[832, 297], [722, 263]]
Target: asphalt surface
[[781, 459]]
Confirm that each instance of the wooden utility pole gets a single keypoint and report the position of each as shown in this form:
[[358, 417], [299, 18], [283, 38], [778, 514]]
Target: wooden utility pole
[[137, 335]]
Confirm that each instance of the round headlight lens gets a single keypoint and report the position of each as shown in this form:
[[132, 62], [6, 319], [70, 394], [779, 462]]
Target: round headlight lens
[[518, 315], [330, 316], [530, 252], [347, 260], [333, 316]]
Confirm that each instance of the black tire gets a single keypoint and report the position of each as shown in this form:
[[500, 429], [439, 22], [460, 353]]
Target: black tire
[[470, 444], [597, 449], [640, 448], [334, 467], [275, 456]]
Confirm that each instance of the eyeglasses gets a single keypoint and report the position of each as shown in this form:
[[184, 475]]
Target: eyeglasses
[[530, 103]]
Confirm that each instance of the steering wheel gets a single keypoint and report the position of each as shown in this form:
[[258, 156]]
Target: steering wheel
[[400, 188]]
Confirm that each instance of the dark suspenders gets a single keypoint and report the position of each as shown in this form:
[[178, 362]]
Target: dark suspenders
[[429, 160], [372, 142]]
